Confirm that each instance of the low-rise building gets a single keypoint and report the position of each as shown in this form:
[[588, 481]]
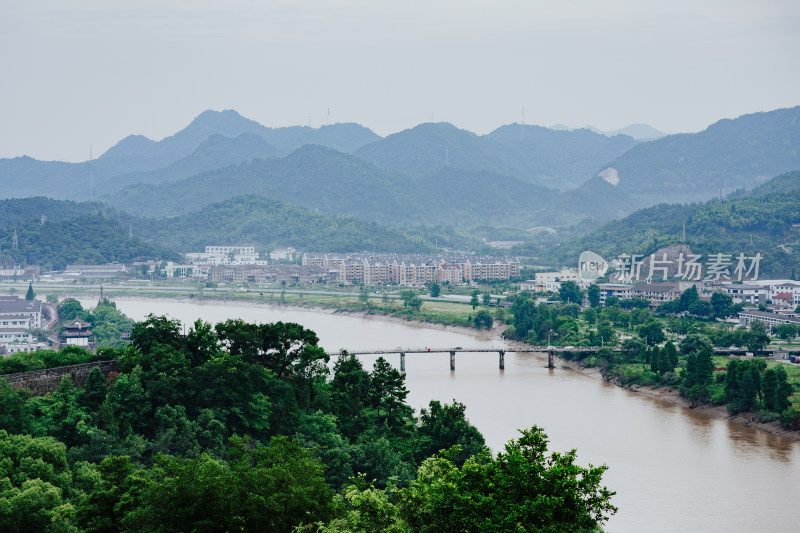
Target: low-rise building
[[109, 270], [656, 293], [618, 290], [14, 309], [750, 314], [551, 281]]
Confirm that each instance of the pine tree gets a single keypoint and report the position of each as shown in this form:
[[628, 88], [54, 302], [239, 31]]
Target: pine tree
[[670, 353], [655, 356], [30, 295]]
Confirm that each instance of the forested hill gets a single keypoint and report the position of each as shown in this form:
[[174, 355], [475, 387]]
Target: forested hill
[[88, 238], [215, 152], [769, 224], [320, 178], [89, 233], [269, 223], [785, 183], [314, 177], [551, 158], [730, 154]]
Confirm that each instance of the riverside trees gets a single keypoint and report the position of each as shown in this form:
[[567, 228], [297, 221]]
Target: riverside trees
[[241, 426]]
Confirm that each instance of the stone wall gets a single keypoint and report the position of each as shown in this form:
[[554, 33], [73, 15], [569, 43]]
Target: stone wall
[[40, 382]]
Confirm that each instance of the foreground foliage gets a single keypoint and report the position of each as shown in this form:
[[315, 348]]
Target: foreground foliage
[[242, 427]]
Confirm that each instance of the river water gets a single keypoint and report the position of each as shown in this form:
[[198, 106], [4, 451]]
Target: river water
[[674, 469]]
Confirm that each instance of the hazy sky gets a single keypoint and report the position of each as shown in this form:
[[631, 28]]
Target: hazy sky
[[81, 73]]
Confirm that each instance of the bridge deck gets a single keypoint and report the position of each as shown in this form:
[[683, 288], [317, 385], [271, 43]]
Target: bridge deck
[[539, 349]]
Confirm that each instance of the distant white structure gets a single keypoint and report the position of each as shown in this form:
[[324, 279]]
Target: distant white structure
[[551, 281], [174, 270], [279, 254], [225, 255]]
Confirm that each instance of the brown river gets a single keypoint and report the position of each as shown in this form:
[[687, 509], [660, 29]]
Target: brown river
[[673, 469]]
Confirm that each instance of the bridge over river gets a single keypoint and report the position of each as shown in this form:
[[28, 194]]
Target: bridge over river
[[501, 352], [551, 351]]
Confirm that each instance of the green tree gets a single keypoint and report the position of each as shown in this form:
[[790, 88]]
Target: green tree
[[743, 384], [699, 372], [652, 333], [776, 389], [70, 308], [474, 302], [435, 290], [36, 484], [593, 295], [483, 319], [30, 295], [15, 412], [350, 389], [523, 489], [721, 304], [786, 331], [570, 292], [700, 308], [487, 298], [757, 338], [411, 300], [695, 342], [688, 297], [633, 350], [670, 354], [442, 426], [388, 394], [156, 330]]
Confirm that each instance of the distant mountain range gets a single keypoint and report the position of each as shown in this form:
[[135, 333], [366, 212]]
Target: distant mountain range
[[690, 167], [518, 175], [640, 132], [199, 147], [556, 159]]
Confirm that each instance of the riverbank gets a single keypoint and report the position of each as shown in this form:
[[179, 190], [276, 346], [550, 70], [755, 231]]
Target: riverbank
[[666, 394]]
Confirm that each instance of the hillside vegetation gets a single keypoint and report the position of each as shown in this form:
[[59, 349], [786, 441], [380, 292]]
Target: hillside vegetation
[[728, 155], [769, 224]]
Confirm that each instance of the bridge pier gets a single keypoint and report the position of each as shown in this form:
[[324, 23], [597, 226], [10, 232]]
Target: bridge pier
[[502, 360], [550, 359], [452, 361], [403, 362]]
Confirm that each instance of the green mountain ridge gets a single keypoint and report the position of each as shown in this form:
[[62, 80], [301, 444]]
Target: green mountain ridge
[[313, 176], [268, 223], [729, 154], [91, 232], [768, 224], [321, 178]]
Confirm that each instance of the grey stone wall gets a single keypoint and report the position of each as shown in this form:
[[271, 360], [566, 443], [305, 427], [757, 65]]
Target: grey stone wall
[[40, 382]]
